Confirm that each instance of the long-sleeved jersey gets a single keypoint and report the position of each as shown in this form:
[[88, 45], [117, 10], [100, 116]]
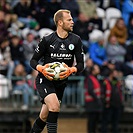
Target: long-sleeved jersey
[[53, 48]]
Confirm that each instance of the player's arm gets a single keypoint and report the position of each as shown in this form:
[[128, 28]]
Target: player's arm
[[38, 54], [79, 55]]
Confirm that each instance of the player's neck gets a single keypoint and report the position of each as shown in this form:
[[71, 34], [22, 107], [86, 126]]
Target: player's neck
[[62, 33]]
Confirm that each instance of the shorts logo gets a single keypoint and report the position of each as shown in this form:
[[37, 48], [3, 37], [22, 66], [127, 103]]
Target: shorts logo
[[40, 80], [71, 46], [45, 90]]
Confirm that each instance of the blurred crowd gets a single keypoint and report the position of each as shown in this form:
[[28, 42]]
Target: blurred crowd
[[24, 22]]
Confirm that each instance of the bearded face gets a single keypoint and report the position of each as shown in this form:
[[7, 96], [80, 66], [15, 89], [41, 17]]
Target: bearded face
[[67, 22], [67, 27]]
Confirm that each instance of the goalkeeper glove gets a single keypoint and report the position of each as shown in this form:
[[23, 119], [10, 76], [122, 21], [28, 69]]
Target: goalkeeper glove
[[46, 71], [67, 72]]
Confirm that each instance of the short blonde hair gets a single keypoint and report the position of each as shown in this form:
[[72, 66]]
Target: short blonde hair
[[59, 15]]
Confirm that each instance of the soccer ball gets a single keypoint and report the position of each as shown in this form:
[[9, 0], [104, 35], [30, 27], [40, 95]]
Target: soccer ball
[[55, 68]]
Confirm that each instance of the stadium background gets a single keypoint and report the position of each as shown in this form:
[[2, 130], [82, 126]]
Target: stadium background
[[73, 117]]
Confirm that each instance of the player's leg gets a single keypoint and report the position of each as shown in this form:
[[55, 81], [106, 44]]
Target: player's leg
[[40, 122], [53, 105]]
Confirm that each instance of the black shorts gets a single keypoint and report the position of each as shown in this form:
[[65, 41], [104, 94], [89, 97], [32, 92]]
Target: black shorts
[[46, 87]]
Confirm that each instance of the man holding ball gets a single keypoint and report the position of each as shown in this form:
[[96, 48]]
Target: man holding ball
[[60, 46]]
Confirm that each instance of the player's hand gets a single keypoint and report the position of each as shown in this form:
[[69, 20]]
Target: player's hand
[[68, 71], [46, 71]]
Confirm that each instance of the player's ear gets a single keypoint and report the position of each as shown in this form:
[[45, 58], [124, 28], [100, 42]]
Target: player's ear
[[60, 22]]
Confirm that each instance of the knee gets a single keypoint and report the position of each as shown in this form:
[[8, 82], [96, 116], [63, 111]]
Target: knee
[[54, 107], [43, 116]]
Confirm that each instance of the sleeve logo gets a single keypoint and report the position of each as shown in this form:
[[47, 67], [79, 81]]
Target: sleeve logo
[[37, 49]]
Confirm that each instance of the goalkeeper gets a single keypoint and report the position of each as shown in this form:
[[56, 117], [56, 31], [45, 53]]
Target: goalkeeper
[[60, 46]]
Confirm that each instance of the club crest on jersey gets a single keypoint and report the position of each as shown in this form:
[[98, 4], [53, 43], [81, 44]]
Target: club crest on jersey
[[71, 46]]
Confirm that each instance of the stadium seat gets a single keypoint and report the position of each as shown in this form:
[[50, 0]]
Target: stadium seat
[[101, 14], [106, 34], [24, 32], [112, 22], [129, 83], [112, 14], [4, 87]]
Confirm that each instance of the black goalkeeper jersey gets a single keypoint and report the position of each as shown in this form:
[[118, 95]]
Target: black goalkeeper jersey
[[53, 48]]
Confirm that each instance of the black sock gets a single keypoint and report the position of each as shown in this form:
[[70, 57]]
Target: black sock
[[38, 126], [52, 122]]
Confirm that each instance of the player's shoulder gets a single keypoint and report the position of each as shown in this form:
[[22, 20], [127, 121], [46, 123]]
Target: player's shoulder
[[74, 35], [49, 36], [52, 35]]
